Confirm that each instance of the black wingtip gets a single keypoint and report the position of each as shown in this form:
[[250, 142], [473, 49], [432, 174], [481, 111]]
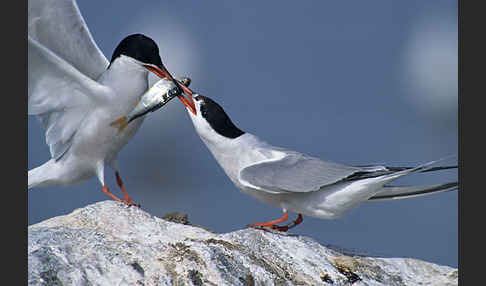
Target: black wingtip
[[396, 169]]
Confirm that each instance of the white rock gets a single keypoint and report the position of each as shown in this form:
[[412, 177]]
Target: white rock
[[108, 243]]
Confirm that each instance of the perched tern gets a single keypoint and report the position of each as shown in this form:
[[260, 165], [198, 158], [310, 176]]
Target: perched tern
[[76, 93], [294, 181]]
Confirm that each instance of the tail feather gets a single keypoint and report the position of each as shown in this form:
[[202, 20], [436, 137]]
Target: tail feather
[[394, 193], [392, 173], [427, 167], [40, 176], [432, 169]]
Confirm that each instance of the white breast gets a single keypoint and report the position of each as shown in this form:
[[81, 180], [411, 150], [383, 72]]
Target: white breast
[[128, 81]]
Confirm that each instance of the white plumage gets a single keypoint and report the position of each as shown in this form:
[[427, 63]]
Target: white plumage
[[76, 93]]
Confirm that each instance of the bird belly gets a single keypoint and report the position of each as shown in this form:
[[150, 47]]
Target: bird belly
[[332, 201], [122, 138], [329, 202], [264, 197], [97, 141]]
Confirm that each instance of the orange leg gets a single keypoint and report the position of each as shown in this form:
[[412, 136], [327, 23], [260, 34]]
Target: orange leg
[[290, 225], [126, 198], [272, 222], [106, 191]]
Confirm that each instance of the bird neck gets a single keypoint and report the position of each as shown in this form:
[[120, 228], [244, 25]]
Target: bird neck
[[124, 71], [226, 151], [235, 154]]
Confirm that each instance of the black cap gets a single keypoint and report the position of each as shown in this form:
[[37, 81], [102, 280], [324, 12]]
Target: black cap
[[217, 118], [139, 47]]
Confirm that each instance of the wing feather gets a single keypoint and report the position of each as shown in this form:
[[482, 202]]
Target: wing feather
[[60, 96], [295, 172], [59, 26]]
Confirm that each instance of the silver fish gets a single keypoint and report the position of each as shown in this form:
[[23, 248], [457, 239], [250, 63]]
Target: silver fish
[[154, 98]]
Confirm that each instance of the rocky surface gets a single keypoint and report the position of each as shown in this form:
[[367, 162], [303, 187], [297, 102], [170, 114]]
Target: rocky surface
[[108, 243]]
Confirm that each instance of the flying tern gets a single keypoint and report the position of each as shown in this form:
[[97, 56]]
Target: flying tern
[[294, 181], [76, 93]]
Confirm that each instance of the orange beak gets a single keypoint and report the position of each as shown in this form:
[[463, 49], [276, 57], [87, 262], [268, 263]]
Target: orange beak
[[163, 73]]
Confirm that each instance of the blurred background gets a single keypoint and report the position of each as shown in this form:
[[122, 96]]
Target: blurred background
[[347, 81]]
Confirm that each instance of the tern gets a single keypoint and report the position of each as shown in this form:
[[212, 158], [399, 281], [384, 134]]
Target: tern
[[76, 93], [294, 181]]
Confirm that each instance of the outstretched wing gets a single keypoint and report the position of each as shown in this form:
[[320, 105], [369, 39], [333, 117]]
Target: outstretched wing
[[59, 26], [60, 96], [295, 172]]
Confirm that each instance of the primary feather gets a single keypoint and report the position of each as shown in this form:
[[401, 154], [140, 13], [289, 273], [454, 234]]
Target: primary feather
[[58, 26], [59, 95]]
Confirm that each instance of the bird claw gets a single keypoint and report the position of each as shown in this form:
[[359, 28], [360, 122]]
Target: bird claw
[[133, 204], [272, 228], [283, 228], [130, 203], [276, 227]]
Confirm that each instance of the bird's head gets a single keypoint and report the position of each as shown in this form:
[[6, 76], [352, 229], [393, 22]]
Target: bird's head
[[145, 51], [211, 121]]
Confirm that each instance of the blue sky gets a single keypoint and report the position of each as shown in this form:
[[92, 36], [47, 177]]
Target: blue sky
[[348, 81]]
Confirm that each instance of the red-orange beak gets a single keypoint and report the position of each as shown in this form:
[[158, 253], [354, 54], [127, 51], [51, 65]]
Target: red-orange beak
[[163, 73], [160, 72], [189, 103]]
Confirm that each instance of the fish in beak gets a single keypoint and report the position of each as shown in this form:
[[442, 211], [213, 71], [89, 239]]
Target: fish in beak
[[162, 72], [154, 98]]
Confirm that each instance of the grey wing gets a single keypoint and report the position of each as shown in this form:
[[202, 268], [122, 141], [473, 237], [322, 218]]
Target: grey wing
[[295, 173], [60, 96], [59, 26]]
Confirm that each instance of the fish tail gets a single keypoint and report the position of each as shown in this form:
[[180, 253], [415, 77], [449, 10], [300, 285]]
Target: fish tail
[[120, 123]]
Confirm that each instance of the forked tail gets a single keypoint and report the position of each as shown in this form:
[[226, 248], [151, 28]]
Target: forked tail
[[395, 193]]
